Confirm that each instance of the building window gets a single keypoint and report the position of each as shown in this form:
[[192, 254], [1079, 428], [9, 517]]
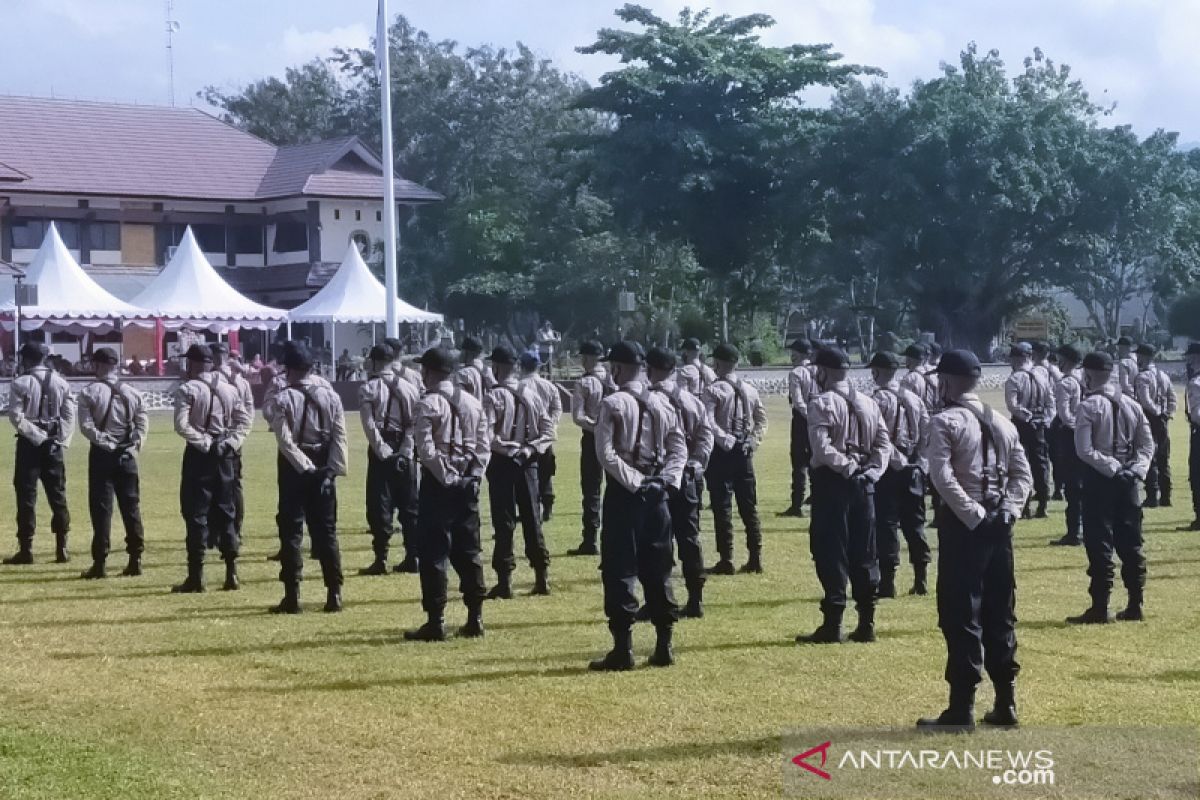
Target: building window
[[379, 216], [104, 235], [358, 215], [27, 234], [337, 213], [211, 238], [290, 237], [247, 239]]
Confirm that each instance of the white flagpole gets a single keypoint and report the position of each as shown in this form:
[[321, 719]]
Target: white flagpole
[[389, 177]]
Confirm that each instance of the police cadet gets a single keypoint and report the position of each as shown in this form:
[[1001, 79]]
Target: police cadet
[[978, 466], [900, 493], [640, 443], [1113, 439], [1051, 375], [590, 389], [1068, 394], [694, 375], [472, 375], [1191, 405], [224, 367], [453, 442], [112, 416], [1030, 402], [1127, 366], [547, 464], [739, 425], [1152, 389], [684, 502], [915, 379], [387, 406], [520, 425], [851, 450], [401, 370], [212, 420], [801, 388], [310, 430]]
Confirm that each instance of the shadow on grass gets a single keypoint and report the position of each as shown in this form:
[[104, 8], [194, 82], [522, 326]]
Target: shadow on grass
[[686, 751], [219, 651], [1044, 625], [204, 615], [1166, 676], [440, 679]]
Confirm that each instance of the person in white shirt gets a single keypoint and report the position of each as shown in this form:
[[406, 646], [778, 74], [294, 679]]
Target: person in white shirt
[[1068, 394]]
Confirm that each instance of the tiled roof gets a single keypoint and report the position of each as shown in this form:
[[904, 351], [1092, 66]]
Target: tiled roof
[[83, 147]]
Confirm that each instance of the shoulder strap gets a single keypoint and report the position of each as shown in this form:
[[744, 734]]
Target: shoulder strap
[[988, 439], [654, 457]]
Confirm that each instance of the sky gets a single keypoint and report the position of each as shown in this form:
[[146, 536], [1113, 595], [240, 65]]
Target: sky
[[1139, 54]]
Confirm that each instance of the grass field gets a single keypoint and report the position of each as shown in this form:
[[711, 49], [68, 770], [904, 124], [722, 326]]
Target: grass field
[[121, 690]]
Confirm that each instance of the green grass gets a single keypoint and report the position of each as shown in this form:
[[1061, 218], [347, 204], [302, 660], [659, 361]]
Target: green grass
[[119, 689]]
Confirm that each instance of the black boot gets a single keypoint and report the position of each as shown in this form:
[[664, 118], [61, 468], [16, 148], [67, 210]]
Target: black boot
[[794, 511], [920, 585], [1133, 611], [829, 631], [722, 567], [61, 554], [664, 654], [541, 581], [474, 627], [22, 557], [503, 588], [290, 604], [1194, 525], [865, 632], [547, 510], [586, 548], [194, 583], [134, 567], [333, 600], [1041, 510], [1004, 712], [232, 584], [408, 565], [887, 582], [1068, 540], [378, 567], [959, 717], [95, 572], [1164, 500], [753, 565], [1097, 614], [434, 630], [695, 602], [620, 658]]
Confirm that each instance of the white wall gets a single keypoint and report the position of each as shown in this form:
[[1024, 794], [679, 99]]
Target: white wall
[[335, 233]]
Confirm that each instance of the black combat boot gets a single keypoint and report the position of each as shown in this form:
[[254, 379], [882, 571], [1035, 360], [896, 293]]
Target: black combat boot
[[61, 554], [920, 585], [1068, 540], [695, 602], [503, 588], [829, 631], [434, 630], [23, 556], [134, 567], [1133, 611], [541, 581], [408, 565], [1097, 614], [95, 572], [1164, 500], [333, 600], [887, 582], [547, 510], [194, 583], [378, 567], [232, 584], [722, 567], [474, 627], [664, 654], [793, 511], [1004, 712], [290, 604], [959, 717], [1041, 510], [753, 565], [865, 632], [620, 658], [587, 547]]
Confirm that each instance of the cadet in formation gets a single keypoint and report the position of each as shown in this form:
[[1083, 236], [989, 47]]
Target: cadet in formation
[[694, 375], [641, 445], [387, 406], [802, 388], [1112, 437], [228, 369], [1030, 402], [592, 387], [1050, 375], [547, 464], [977, 465], [1191, 405], [399, 369], [739, 422], [1126, 367], [851, 450], [42, 410], [1068, 394], [112, 416], [453, 444], [472, 375], [1152, 389]]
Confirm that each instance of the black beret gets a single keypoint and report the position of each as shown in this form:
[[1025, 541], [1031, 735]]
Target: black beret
[[106, 355], [298, 357], [381, 352], [199, 352], [34, 351], [885, 360], [1125, 341], [625, 353], [1099, 361], [1193, 349], [591, 348], [437, 359], [218, 349], [1070, 353], [529, 361], [501, 354], [1144, 349], [915, 351], [660, 359], [831, 358], [472, 345], [935, 350], [801, 346], [726, 352], [1020, 349], [691, 343], [962, 363], [395, 344]]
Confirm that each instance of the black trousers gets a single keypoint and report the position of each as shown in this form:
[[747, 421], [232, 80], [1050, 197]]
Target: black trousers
[[1070, 474], [635, 547], [1194, 469], [801, 453], [900, 506], [1054, 445], [976, 601], [731, 475], [114, 473], [44, 464], [448, 535], [842, 539], [1158, 478], [684, 507], [513, 496], [391, 493], [591, 481], [302, 502], [547, 467], [1033, 439], [239, 506], [1112, 522], [206, 500]]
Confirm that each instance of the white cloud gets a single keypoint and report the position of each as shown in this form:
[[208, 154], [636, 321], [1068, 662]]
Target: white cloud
[[303, 45], [96, 18]]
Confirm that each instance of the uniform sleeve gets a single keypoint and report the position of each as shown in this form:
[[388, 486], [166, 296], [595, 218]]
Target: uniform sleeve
[[723, 438], [545, 423], [270, 394], [1125, 375], [282, 423], [87, 421], [760, 418], [556, 409], [482, 439], [579, 401], [1086, 449], [1143, 447], [1145, 388], [677, 453], [881, 450], [1020, 478], [339, 449], [1193, 401], [820, 437], [66, 414], [1172, 402], [492, 411], [242, 419], [18, 393], [140, 421], [796, 392], [702, 439], [1062, 404], [426, 448], [368, 411], [183, 421], [1012, 398], [942, 438], [606, 452]]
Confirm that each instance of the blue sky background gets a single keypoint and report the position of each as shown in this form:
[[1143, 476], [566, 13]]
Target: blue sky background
[[1141, 54]]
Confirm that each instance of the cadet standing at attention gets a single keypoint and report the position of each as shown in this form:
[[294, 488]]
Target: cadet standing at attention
[[640, 443], [585, 410], [978, 466], [802, 387], [112, 416], [453, 441], [915, 380], [1030, 402], [851, 450], [1152, 389], [1113, 439], [1068, 394], [310, 430], [210, 417], [41, 408], [472, 375], [1191, 405], [739, 422], [1127, 366], [1050, 375], [387, 406], [227, 372], [694, 375], [547, 464], [399, 369]]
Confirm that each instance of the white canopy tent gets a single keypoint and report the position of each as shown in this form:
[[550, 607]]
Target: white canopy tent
[[68, 298]]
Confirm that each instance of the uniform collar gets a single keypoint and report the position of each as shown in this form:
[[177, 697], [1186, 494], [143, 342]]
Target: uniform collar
[[665, 385], [892, 386], [445, 387], [634, 385]]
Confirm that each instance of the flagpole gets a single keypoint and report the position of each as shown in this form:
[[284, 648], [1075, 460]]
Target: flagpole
[[389, 168]]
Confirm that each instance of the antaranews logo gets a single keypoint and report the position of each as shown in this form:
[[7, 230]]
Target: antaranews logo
[[802, 760]]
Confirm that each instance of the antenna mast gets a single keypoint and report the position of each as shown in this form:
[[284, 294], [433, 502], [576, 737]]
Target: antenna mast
[[172, 27]]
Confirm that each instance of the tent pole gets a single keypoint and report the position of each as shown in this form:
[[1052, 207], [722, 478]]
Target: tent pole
[[289, 330], [160, 368], [333, 356], [383, 59]]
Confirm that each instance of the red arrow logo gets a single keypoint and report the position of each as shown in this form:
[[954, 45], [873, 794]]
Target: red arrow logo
[[802, 760]]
